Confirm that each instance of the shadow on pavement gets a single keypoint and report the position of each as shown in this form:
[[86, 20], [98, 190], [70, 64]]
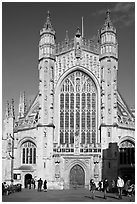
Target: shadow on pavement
[[113, 197], [99, 197], [87, 197]]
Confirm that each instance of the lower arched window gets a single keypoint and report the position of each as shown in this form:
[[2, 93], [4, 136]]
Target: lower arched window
[[28, 153], [127, 153]]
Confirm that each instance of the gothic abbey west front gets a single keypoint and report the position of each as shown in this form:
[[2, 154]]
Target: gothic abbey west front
[[78, 127]]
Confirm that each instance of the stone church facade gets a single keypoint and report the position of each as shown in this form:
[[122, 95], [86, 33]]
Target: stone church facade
[[78, 127]]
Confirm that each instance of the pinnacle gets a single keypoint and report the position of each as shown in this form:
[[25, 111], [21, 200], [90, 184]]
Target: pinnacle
[[108, 20], [48, 24], [66, 38]]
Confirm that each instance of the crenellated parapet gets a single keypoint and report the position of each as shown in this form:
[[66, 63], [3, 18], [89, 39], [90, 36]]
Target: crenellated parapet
[[86, 45]]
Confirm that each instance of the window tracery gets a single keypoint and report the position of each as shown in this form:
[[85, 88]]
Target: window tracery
[[28, 153], [78, 109]]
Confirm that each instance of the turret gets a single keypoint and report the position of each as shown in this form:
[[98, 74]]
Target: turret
[[47, 40], [7, 110], [108, 39], [46, 72], [46, 96], [8, 142], [108, 57], [22, 105]]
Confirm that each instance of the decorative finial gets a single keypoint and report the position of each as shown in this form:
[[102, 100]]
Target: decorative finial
[[82, 27], [108, 21], [98, 36], [13, 112], [48, 13], [7, 110], [108, 13], [48, 24], [66, 38], [78, 34]]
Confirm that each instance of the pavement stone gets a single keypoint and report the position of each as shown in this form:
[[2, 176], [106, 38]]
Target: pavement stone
[[71, 195]]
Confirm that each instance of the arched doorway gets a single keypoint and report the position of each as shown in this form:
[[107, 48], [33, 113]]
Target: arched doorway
[[77, 177], [27, 180]]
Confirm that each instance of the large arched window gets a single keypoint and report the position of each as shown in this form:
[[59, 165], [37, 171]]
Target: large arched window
[[78, 109], [28, 153], [127, 152]]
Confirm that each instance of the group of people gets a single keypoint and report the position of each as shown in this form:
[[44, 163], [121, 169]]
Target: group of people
[[10, 188], [118, 184], [31, 183], [103, 185], [40, 183]]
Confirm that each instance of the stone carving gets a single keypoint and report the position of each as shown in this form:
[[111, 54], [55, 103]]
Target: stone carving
[[96, 170], [45, 132], [57, 167], [78, 50], [87, 161], [126, 144]]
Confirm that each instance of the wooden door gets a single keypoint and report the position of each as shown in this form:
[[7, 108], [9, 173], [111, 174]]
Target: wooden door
[[77, 177]]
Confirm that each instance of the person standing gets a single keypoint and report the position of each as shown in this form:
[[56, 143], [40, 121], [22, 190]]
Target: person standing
[[45, 185], [33, 182], [92, 188], [105, 187], [120, 185], [29, 183], [40, 184]]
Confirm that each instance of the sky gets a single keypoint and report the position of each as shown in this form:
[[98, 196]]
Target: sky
[[22, 21]]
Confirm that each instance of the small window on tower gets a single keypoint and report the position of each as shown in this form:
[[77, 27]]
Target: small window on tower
[[109, 165], [108, 133]]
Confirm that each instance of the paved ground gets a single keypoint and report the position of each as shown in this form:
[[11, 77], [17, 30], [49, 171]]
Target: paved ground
[[76, 195]]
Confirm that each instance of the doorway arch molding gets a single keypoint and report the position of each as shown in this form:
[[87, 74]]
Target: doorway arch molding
[[82, 163], [77, 162], [129, 138]]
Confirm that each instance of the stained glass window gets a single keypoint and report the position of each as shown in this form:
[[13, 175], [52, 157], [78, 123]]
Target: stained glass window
[[78, 96]]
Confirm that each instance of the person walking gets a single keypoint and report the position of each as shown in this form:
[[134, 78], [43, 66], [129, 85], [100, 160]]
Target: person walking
[[113, 186], [45, 185], [120, 185], [92, 188], [105, 187], [127, 186], [99, 184], [40, 184]]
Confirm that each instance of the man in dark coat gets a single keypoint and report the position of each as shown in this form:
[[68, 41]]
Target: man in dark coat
[[40, 182], [92, 188]]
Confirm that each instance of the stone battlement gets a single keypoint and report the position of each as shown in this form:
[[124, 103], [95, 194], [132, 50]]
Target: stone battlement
[[67, 45]]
